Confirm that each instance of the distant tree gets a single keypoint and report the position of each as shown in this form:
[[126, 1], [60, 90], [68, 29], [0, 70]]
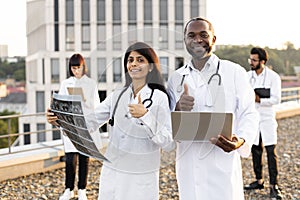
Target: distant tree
[[14, 70], [19, 75], [282, 61], [4, 128]]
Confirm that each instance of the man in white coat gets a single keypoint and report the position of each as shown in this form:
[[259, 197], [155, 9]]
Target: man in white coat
[[212, 169], [265, 80]]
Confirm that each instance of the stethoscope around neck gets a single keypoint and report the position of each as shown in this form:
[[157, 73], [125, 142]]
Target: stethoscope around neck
[[180, 86], [253, 80], [111, 121]]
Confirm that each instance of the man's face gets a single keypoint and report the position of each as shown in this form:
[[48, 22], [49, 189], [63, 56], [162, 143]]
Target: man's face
[[199, 39], [254, 62]]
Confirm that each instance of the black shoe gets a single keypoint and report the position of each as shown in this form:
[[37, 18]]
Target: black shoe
[[254, 185], [275, 193]]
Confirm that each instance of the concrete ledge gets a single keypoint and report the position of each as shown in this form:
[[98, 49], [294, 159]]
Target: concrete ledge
[[287, 113], [30, 162], [287, 109]]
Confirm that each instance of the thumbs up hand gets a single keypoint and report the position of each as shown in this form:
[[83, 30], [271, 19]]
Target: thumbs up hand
[[186, 102], [137, 110]]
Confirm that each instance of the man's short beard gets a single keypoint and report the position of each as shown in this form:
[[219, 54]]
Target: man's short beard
[[256, 68]]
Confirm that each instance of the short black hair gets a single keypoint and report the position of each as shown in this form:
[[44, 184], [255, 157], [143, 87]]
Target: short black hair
[[211, 28], [262, 53]]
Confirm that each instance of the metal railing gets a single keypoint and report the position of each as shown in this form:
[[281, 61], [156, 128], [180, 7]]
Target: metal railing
[[9, 136], [288, 94]]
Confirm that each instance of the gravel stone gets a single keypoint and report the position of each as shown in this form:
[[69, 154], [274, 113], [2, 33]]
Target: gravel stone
[[50, 185]]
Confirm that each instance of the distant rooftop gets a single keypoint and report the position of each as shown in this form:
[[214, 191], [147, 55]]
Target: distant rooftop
[[15, 98]]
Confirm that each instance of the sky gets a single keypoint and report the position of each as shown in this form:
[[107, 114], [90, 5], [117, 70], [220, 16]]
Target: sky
[[262, 23]]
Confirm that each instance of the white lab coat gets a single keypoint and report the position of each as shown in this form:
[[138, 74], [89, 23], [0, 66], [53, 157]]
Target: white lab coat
[[92, 100], [134, 145], [205, 171], [267, 123]]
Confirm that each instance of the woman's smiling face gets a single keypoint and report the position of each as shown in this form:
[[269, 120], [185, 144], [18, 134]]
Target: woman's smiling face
[[138, 66]]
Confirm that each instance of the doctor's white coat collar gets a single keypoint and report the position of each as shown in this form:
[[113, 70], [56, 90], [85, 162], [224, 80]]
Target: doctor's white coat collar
[[211, 64], [146, 90]]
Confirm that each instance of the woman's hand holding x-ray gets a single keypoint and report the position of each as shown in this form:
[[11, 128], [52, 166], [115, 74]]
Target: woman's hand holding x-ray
[[137, 110], [51, 117], [186, 102]]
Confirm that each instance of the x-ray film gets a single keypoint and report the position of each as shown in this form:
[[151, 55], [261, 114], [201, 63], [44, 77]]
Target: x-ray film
[[71, 119]]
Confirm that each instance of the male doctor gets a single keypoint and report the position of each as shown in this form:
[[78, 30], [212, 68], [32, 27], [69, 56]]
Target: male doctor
[[261, 76], [212, 169]]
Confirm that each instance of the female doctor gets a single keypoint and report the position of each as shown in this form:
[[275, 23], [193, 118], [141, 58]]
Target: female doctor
[[140, 126], [78, 70]]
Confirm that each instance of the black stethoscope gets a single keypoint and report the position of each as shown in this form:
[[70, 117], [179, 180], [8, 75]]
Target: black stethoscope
[[112, 120], [180, 87]]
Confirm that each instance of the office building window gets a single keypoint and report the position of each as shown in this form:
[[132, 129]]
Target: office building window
[[41, 136], [70, 10], [32, 67], [101, 10], [178, 36], [116, 10], [132, 10], [43, 70], [148, 34], [86, 32], [101, 28], [117, 70], [194, 9], [179, 61], [56, 133], [163, 11], [40, 101], [70, 39], [178, 10], [163, 30], [54, 70], [117, 37], [148, 11], [164, 64], [56, 25], [86, 37], [163, 36], [132, 33], [85, 11], [132, 29], [101, 37], [26, 128], [101, 63]]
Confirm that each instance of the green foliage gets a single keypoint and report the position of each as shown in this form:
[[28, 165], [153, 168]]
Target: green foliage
[[282, 61], [4, 128], [14, 70]]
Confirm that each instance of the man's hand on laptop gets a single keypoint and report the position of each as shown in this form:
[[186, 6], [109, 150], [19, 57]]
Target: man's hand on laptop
[[226, 144], [186, 102]]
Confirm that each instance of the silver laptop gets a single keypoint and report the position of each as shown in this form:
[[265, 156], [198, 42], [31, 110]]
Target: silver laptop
[[199, 126]]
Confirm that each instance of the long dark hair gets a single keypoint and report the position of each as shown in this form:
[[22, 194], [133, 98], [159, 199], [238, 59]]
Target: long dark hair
[[154, 78]]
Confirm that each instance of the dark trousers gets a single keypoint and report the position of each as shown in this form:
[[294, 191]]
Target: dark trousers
[[257, 159], [71, 164]]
